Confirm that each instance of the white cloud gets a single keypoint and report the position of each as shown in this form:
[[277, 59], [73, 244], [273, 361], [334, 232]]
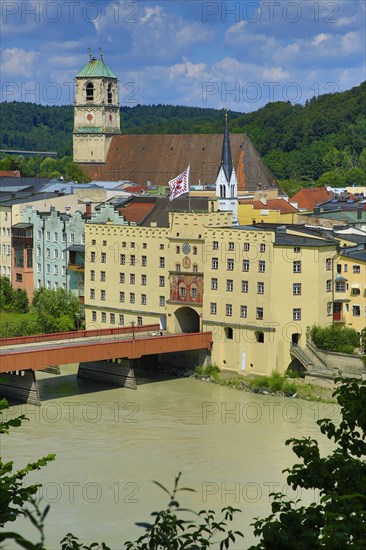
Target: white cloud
[[319, 38], [18, 62]]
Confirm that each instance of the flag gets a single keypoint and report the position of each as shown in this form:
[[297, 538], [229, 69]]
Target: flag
[[179, 185]]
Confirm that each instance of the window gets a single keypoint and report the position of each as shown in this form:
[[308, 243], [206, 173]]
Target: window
[[8, 249], [92, 275], [132, 279], [355, 291], [230, 265], [246, 247], [215, 263], [329, 285], [55, 237], [161, 246], [48, 235], [89, 93], [296, 267], [122, 259], [161, 301], [244, 286], [39, 234], [213, 308], [112, 318], [229, 285], [259, 313], [144, 245], [132, 245], [328, 264], [104, 243], [48, 253], [102, 295], [92, 293], [94, 242], [94, 315], [296, 314], [194, 249], [122, 278], [55, 253], [161, 262], [261, 266], [144, 261], [329, 308], [102, 276], [177, 267], [92, 257], [104, 317], [215, 245], [245, 265], [38, 268], [132, 297], [72, 237], [139, 321], [345, 268], [177, 249], [262, 247], [229, 333], [296, 249], [339, 268], [123, 244], [143, 280], [55, 269], [229, 310], [132, 259], [103, 257], [356, 269], [231, 246], [4, 249], [356, 311], [161, 280], [143, 299], [194, 292], [296, 289], [18, 277], [260, 288], [121, 319], [340, 286], [121, 296], [259, 336], [48, 284], [82, 238], [195, 268], [182, 291], [63, 237], [243, 311], [214, 283]]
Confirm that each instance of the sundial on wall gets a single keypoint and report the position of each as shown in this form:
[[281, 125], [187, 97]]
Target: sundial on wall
[[186, 248]]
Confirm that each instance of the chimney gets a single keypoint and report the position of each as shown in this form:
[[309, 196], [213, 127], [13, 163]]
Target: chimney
[[359, 212], [88, 209], [316, 210]]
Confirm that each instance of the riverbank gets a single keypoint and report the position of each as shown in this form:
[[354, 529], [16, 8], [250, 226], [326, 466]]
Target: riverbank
[[275, 384]]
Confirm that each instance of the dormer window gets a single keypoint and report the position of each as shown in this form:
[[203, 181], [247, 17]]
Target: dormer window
[[110, 93], [89, 91]]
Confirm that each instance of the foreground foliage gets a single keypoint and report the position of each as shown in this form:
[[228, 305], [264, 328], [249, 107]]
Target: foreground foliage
[[336, 521], [335, 338]]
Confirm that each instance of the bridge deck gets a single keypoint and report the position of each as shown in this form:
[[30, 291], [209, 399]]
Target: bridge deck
[[38, 356]]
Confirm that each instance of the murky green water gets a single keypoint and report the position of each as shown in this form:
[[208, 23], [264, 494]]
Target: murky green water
[[112, 443]]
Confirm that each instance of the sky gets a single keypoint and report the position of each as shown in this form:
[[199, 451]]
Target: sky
[[234, 55]]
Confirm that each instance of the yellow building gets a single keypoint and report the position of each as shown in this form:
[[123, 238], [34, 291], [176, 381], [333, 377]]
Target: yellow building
[[350, 288], [266, 210], [256, 289]]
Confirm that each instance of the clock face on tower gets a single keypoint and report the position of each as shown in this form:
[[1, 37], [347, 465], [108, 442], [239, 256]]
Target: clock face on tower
[[186, 248], [90, 117]]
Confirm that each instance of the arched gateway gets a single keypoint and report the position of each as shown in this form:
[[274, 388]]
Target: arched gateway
[[186, 320]]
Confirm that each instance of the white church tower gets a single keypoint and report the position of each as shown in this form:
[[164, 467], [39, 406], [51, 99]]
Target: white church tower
[[96, 114], [226, 181]]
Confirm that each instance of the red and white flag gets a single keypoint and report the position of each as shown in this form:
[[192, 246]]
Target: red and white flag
[[179, 185]]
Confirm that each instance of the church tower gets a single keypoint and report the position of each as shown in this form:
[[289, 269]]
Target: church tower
[[96, 114], [226, 181]]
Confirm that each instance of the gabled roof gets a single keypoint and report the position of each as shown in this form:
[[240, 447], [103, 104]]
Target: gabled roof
[[312, 196], [275, 204], [96, 68]]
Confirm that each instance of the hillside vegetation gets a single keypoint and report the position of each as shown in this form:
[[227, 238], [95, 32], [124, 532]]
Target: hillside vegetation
[[322, 142]]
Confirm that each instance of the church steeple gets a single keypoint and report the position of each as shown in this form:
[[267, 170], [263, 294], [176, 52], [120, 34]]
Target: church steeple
[[226, 181], [226, 160]]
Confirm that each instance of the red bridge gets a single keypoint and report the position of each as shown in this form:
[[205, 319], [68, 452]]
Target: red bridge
[[21, 356]]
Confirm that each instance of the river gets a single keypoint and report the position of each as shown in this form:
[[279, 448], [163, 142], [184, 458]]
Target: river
[[112, 443]]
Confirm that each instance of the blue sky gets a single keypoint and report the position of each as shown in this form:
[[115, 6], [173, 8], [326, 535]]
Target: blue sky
[[238, 55]]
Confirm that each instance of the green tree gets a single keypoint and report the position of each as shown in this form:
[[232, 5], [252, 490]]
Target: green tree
[[76, 173], [56, 309], [335, 338], [355, 176], [333, 179], [20, 301], [6, 294], [338, 520]]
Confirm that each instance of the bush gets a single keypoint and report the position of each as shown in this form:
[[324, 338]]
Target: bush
[[258, 382], [275, 381], [334, 337], [289, 389]]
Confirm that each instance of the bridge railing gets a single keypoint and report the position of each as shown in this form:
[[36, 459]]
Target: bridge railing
[[74, 334]]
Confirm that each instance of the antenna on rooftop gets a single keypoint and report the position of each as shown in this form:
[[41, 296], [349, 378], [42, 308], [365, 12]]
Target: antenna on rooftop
[[90, 54], [101, 53]]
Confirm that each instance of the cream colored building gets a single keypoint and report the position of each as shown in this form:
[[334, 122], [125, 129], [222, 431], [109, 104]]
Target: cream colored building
[[256, 290], [350, 288]]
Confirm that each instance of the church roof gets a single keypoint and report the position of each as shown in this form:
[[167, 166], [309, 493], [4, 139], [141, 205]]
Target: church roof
[[159, 158], [96, 68], [226, 160]]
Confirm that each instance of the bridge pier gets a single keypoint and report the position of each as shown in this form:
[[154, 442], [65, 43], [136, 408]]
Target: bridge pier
[[53, 369], [21, 386], [119, 374]]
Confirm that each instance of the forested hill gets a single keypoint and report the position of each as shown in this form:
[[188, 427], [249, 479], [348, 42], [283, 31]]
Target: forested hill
[[327, 134]]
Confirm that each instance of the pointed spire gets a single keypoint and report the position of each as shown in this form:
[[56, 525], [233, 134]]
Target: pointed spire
[[90, 54], [226, 160]]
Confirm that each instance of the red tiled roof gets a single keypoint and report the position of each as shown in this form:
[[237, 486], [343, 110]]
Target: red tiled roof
[[135, 189], [312, 196], [136, 212], [10, 173], [272, 204]]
